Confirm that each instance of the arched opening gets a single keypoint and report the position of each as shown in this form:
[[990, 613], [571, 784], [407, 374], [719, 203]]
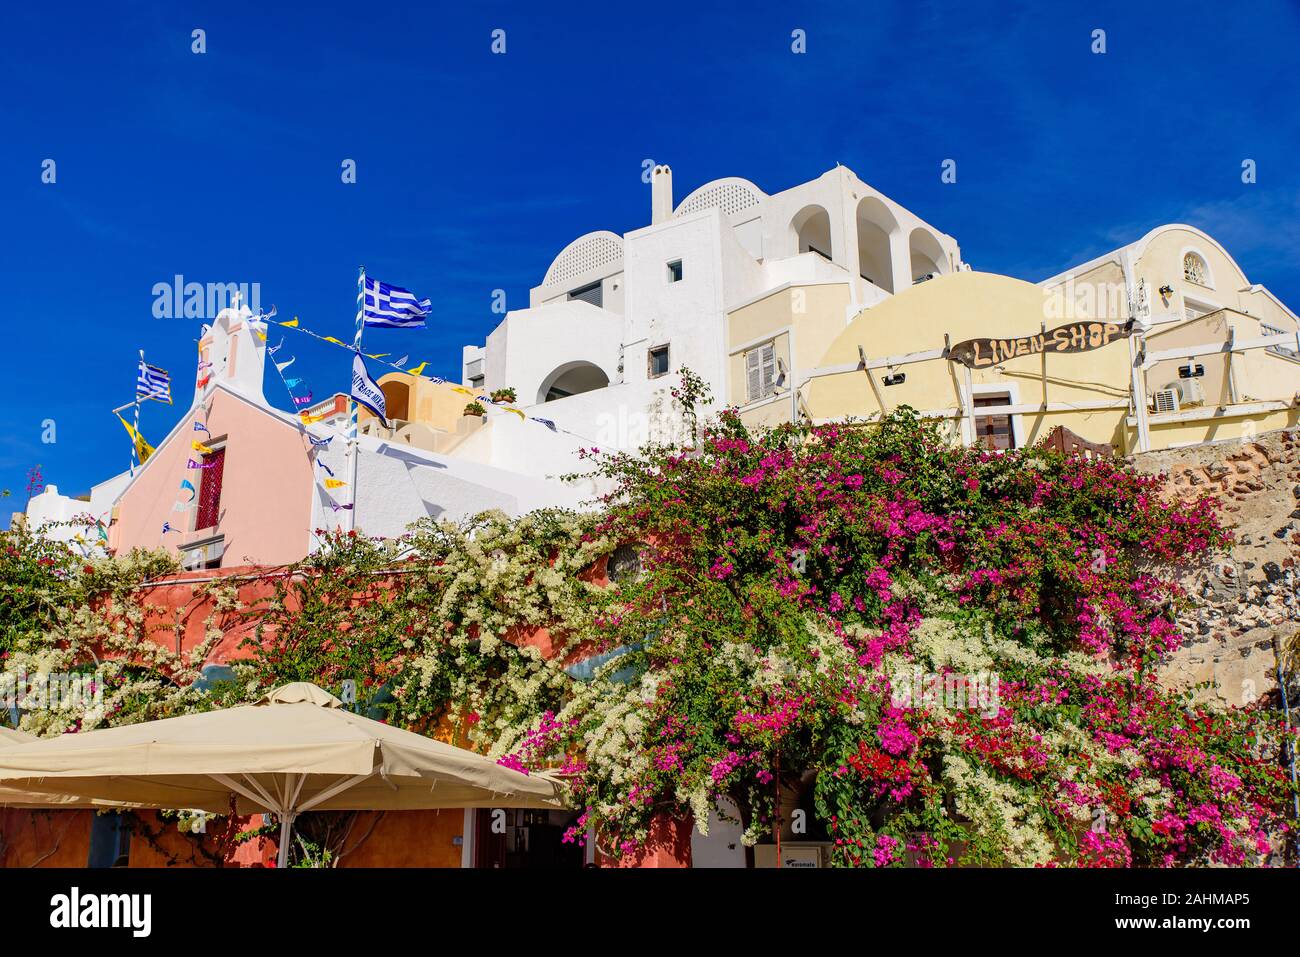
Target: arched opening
[[572, 378], [811, 227], [1195, 270], [875, 224], [397, 399], [928, 257]]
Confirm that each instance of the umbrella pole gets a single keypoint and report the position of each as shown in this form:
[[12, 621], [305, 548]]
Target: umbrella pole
[[286, 834]]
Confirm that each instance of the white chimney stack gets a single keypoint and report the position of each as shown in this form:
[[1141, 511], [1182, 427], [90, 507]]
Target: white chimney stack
[[661, 195]]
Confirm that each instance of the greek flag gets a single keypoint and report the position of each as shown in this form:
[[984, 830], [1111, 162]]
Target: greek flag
[[153, 383], [394, 307]]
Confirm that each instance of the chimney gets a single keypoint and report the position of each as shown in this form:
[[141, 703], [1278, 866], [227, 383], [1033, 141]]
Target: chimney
[[661, 195]]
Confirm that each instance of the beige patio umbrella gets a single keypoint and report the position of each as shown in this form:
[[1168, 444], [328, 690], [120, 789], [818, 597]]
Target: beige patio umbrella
[[295, 750], [8, 736], [10, 798], [37, 800]]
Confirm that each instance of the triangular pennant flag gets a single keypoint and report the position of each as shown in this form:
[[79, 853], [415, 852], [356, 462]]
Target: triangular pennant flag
[[142, 448], [281, 366], [291, 323], [401, 361], [377, 355], [462, 391], [199, 465], [416, 370], [262, 336], [292, 382], [200, 427], [546, 422], [334, 483], [275, 348], [320, 443], [302, 399], [516, 412], [198, 446], [337, 342], [328, 471], [189, 486], [313, 419]]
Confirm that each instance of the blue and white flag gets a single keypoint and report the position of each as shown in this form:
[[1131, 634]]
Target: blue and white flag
[[320, 443], [366, 391], [394, 307], [153, 383]]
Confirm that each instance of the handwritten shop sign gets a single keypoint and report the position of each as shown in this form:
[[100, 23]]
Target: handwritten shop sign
[[1082, 336]]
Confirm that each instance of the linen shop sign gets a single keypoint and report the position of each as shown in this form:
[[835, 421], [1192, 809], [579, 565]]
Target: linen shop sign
[[1082, 336]]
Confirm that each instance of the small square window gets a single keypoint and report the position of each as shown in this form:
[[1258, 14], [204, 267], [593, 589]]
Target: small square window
[[675, 271], [658, 361]]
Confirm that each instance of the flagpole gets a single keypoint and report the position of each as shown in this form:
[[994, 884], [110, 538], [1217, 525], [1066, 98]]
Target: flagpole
[[354, 445], [135, 438]]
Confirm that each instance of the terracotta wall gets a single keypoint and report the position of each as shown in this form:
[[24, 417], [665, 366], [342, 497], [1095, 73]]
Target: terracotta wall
[[44, 838]]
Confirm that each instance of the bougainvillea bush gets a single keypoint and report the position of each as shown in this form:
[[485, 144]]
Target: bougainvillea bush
[[802, 584], [952, 652]]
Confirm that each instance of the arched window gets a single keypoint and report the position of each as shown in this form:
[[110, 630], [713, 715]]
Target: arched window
[[1194, 269]]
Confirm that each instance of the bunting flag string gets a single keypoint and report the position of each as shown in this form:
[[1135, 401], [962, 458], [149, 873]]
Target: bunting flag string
[[418, 371]]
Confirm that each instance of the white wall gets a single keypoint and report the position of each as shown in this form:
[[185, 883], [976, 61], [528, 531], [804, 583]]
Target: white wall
[[51, 507], [398, 484]]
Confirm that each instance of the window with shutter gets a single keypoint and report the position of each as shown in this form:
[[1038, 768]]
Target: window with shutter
[[760, 372], [593, 294], [210, 490]]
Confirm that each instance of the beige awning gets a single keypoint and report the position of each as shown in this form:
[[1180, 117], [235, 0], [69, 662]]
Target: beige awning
[[295, 750]]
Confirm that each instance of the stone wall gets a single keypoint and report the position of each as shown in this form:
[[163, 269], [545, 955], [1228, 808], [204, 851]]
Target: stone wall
[[1249, 594]]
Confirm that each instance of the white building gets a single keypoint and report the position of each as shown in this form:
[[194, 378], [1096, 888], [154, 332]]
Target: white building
[[615, 316]]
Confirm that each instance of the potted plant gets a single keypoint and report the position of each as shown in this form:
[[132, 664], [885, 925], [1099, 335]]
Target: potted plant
[[507, 394], [475, 408]]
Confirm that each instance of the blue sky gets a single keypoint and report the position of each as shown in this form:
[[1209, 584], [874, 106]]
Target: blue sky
[[474, 169]]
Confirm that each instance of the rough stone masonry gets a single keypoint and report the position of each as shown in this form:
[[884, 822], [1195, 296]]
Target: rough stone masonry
[[1248, 595]]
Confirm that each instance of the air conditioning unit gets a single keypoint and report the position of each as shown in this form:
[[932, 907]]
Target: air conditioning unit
[[1190, 391], [1165, 400]]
